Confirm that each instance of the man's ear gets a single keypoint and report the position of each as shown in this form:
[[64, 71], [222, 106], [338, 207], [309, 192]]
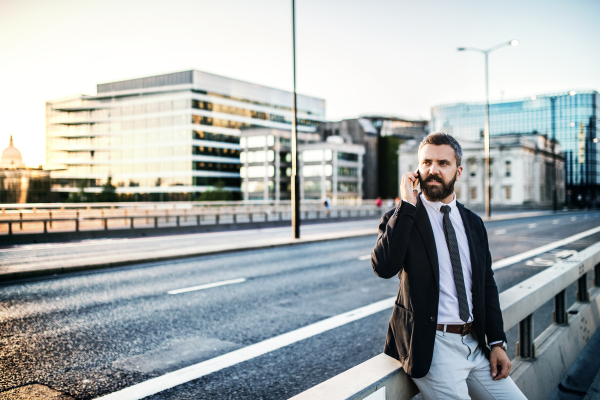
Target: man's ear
[[459, 172]]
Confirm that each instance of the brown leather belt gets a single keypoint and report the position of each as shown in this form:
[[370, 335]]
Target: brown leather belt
[[460, 329]]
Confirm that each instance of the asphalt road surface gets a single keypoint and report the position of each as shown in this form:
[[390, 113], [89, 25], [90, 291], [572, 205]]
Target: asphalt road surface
[[91, 334]]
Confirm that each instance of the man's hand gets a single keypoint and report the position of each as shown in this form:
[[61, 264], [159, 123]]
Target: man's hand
[[406, 188], [500, 363]]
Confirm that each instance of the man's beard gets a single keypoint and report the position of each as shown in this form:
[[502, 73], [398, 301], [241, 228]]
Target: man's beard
[[437, 192]]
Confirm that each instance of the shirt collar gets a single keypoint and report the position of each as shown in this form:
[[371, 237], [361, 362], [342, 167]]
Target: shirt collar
[[436, 205]]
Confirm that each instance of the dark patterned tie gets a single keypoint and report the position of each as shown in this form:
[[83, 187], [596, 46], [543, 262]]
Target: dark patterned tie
[[459, 282]]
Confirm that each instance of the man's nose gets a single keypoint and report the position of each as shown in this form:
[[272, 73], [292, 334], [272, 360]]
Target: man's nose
[[433, 169]]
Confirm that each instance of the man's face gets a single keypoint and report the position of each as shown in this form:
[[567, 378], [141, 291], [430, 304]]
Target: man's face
[[438, 170]]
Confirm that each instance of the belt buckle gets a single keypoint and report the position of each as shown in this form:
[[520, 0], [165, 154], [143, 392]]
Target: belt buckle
[[464, 328]]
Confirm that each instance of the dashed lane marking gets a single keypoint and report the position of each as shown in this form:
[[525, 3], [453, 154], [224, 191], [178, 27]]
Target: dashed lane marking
[[505, 262], [500, 232], [531, 226], [555, 222], [181, 376], [365, 257], [207, 286]]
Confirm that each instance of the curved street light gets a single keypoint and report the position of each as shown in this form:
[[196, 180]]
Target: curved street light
[[486, 133]]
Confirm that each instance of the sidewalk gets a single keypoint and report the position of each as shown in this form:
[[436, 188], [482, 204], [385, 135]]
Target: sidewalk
[[49, 259], [33, 260]]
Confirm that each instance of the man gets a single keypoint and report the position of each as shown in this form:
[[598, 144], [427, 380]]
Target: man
[[447, 304]]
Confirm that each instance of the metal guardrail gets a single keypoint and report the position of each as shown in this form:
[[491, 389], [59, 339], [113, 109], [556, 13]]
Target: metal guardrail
[[201, 216], [382, 377]]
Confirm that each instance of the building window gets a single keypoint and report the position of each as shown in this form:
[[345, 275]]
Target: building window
[[312, 170], [347, 171], [473, 167], [312, 155], [507, 169], [347, 187], [507, 192], [347, 156], [473, 193]]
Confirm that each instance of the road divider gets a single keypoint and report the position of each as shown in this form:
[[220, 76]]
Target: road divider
[[207, 286], [196, 371]]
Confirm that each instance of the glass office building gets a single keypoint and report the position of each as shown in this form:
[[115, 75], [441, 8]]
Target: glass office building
[[570, 117], [165, 137]]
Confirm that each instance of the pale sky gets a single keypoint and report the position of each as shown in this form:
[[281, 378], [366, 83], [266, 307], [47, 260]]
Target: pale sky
[[379, 56]]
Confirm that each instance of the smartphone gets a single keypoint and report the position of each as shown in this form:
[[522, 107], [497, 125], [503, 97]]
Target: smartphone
[[418, 178]]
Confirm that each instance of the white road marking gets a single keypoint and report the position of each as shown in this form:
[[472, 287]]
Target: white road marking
[[505, 262], [554, 222], [573, 218], [500, 232], [207, 286], [365, 257], [530, 226], [181, 376]]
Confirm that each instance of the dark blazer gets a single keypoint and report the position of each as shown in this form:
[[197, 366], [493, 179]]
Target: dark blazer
[[406, 247]]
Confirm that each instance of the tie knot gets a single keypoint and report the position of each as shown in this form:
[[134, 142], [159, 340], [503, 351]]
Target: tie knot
[[445, 209]]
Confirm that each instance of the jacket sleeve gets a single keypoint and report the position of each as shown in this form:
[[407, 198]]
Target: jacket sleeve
[[494, 325], [387, 258]]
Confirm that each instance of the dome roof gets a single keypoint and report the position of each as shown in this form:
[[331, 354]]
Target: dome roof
[[11, 156]]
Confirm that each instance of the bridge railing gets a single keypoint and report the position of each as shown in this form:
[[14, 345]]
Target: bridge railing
[[540, 363], [64, 220]]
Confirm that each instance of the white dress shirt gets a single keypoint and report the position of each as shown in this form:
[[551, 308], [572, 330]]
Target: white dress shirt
[[448, 303]]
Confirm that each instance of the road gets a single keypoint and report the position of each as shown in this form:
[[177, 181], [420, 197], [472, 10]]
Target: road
[[94, 333]]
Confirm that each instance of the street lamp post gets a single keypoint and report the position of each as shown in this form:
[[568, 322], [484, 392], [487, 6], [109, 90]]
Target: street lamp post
[[295, 179], [486, 133], [554, 188]]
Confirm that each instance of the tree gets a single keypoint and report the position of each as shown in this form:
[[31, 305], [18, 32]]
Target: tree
[[218, 194], [79, 196], [109, 192]]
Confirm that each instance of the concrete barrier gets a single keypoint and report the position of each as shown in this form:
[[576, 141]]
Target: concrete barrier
[[541, 362]]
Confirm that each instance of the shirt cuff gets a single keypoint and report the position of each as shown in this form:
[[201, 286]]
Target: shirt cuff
[[409, 202], [497, 341]]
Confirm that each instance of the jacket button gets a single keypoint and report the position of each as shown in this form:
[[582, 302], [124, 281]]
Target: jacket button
[[432, 319]]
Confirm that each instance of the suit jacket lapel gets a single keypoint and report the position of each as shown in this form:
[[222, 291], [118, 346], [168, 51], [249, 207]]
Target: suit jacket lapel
[[424, 225], [475, 268]]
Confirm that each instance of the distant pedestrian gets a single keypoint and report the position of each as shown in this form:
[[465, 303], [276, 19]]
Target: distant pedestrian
[[327, 204], [389, 203], [397, 201], [446, 327], [378, 202]]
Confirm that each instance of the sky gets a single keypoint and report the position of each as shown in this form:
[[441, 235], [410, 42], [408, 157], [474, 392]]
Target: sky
[[363, 57]]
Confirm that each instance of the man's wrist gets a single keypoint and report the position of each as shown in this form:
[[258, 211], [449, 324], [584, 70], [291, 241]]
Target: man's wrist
[[500, 344]]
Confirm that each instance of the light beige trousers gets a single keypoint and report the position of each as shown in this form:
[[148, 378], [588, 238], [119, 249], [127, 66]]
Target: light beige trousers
[[459, 370]]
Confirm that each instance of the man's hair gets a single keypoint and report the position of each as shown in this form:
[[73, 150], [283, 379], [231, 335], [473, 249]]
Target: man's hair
[[440, 138]]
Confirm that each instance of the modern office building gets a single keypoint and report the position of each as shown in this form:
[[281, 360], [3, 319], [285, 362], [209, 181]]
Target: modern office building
[[570, 117], [520, 165], [331, 169], [327, 169], [359, 131], [266, 161], [165, 137]]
